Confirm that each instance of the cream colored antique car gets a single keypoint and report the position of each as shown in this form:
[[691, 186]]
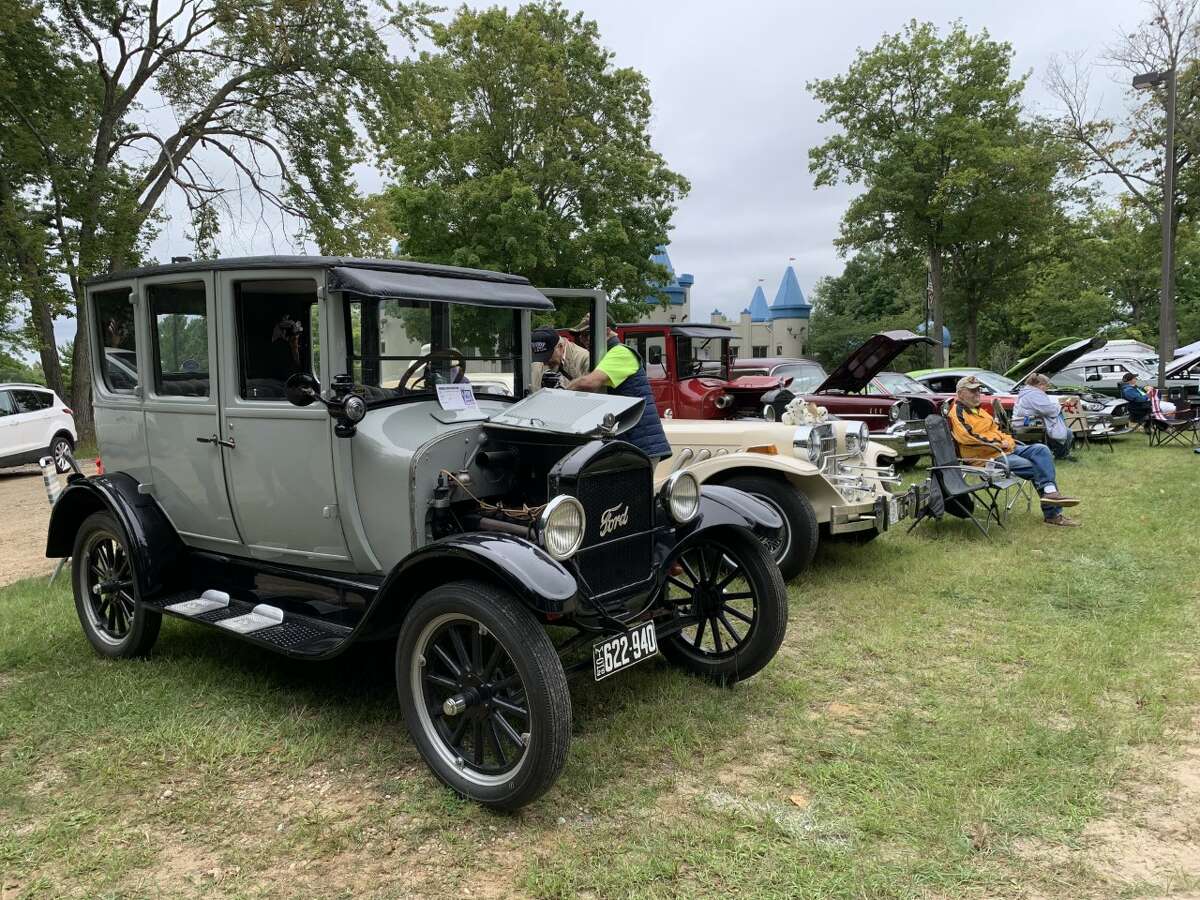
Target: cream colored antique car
[[825, 479]]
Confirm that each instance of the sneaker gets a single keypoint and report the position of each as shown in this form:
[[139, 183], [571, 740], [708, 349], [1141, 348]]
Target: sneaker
[[1062, 520], [1058, 499]]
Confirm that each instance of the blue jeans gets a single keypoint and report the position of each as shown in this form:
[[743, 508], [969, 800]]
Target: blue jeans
[[1035, 463]]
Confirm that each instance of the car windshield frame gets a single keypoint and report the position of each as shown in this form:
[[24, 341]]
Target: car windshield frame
[[909, 384], [709, 368], [441, 314]]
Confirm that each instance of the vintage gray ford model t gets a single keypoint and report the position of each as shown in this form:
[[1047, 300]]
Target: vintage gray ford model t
[[398, 504]]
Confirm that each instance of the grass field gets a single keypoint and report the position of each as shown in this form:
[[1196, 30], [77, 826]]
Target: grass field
[[946, 717]]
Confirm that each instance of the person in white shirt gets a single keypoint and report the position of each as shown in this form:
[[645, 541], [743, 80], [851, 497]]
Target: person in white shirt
[[1034, 403]]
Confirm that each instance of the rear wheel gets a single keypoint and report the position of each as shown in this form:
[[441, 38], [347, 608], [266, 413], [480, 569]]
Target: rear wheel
[[795, 546], [60, 451], [731, 591], [105, 595], [483, 694]]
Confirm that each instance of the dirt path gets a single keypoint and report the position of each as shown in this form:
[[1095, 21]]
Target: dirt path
[[24, 516]]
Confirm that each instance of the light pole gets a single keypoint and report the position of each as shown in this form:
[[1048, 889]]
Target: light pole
[[1166, 303]]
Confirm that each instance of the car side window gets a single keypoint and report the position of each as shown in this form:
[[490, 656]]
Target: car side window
[[7, 406], [179, 318], [113, 317], [277, 335], [32, 401]]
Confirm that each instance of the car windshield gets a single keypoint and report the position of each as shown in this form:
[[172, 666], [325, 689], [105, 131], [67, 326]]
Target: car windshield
[[405, 348], [998, 384], [805, 376], [896, 383], [702, 356]]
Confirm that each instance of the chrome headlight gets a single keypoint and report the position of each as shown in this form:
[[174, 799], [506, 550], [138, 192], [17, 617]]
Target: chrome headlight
[[857, 436], [680, 495], [806, 443], [561, 526]]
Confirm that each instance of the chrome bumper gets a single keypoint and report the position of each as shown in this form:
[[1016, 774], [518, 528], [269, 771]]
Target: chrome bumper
[[881, 513], [905, 438]]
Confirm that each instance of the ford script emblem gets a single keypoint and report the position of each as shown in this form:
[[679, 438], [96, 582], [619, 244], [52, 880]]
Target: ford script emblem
[[613, 518]]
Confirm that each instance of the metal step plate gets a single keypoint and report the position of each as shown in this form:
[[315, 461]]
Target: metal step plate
[[262, 616], [206, 602]]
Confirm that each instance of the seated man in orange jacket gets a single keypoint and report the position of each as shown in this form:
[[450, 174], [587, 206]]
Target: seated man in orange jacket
[[979, 438]]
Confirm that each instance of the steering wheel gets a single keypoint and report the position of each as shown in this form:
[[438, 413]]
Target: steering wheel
[[455, 358]]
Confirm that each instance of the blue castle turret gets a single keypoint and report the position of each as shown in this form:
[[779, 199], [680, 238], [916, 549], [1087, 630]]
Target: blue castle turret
[[789, 300], [678, 291]]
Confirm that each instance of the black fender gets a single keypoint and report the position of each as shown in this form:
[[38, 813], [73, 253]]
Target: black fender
[[722, 506], [151, 538], [537, 579], [777, 399]]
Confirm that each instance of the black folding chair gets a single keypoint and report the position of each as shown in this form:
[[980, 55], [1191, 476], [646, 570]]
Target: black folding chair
[[957, 495], [1169, 429]]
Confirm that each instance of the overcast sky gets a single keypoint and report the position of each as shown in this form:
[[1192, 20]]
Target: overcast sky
[[732, 114]]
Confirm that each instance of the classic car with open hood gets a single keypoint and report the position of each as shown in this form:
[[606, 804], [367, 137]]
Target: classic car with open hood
[[896, 422], [304, 498], [1056, 361]]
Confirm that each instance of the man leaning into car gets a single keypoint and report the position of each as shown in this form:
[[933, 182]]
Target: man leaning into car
[[979, 439]]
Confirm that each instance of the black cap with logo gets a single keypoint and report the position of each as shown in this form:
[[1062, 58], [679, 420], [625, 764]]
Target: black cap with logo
[[542, 342]]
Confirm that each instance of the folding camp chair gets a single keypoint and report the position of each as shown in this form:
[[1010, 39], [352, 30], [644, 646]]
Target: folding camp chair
[[1167, 429], [949, 474]]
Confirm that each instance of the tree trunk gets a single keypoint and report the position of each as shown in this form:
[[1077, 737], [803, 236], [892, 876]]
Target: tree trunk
[[43, 324], [972, 332], [941, 354]]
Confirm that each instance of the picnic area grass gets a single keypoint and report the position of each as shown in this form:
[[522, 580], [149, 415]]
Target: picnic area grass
[[943, 707]]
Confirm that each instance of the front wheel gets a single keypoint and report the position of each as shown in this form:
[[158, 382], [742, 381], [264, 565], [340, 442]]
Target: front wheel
[[733, 599], [483, 694], [794, 547], [113, 621], [61, 449]]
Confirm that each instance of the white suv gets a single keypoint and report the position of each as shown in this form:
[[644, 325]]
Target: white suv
[[34, 422]]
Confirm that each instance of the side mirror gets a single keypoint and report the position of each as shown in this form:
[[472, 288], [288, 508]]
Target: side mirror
[[302, 389], [654, 356]]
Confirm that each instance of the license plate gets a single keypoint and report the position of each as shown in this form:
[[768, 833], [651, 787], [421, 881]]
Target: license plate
[[621, 651]]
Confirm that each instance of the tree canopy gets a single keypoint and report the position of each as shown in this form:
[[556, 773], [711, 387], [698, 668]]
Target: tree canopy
[[516, 144]]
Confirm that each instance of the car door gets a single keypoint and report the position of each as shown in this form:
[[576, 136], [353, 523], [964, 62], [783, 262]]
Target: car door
[[183, 428], [279, 457], [33, 412], [8, 427]]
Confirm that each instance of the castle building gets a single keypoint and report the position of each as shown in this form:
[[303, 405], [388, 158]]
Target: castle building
[[679, 294], [780, 329]]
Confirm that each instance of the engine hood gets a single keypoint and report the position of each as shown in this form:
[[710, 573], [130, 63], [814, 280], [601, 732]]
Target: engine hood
[[574, 414], [1182, 364], [869, 359], [1054, 357]]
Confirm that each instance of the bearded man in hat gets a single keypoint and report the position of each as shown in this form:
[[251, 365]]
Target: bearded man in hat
[[980, 439]]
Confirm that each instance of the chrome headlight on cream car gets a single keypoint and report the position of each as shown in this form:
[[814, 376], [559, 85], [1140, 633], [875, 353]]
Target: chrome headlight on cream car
[[857, 435], [561, 526], [680, 495], [813, 442]]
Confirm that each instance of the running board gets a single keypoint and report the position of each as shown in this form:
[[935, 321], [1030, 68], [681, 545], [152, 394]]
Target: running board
[[262, 623]]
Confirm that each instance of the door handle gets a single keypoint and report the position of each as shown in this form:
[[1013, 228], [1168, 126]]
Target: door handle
[[231, 443]]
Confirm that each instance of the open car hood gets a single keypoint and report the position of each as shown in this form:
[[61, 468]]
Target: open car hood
[[872, 357], [1182, 364], [576, 414], [1054, 357]]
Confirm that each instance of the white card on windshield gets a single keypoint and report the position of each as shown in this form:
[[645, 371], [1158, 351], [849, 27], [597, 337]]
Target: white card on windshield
[[456, 396]]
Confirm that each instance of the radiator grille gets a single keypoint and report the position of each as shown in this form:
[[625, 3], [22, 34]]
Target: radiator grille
[[619, 504]]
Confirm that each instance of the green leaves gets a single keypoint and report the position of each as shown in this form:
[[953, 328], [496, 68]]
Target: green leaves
[[516, 144]]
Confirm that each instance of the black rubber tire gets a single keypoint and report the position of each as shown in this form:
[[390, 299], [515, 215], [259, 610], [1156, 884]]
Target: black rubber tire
[[546, 694], [145, 624], [906, 463], [60, 465], [800, 543], [771, 613]]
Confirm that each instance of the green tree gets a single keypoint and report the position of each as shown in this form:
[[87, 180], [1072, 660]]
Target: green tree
[[922, 119], [268, 89], [519, 146]]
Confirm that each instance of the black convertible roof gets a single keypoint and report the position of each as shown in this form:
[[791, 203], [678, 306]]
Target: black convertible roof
[[390, 278]]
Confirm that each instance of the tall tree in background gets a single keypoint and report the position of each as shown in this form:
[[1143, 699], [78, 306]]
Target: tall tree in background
[[517, 145], [922, 119], [263, 92], [1131, 150]]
